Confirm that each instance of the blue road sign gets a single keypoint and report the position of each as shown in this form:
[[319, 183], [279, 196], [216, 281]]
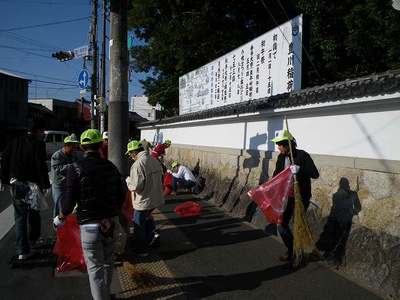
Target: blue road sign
[[83, 79]]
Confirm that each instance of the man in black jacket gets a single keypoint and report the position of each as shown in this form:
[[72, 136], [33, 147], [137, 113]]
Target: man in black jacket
[[23, 161], [96, 186], [305, 169]]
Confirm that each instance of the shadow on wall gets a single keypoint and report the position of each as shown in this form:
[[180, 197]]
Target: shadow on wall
[[333, 239]]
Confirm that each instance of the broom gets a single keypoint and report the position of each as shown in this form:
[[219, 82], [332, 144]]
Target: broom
[[303, 242]]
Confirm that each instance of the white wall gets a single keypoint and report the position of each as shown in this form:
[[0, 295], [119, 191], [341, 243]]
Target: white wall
[[373, 134]]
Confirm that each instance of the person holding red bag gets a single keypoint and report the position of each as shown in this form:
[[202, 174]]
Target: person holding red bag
[[96, 187], [304, 168]]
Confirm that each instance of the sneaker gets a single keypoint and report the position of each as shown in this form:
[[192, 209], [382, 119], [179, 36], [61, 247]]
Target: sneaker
[[155, 242], [141, 253], [25, 256], [285, 258]]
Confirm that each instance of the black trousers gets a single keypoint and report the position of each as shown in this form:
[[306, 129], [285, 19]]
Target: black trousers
[[284, 229]]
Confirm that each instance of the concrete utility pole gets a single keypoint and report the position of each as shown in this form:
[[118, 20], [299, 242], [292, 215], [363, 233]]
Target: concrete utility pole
[[94, 62], [102, 84], [118, 104]]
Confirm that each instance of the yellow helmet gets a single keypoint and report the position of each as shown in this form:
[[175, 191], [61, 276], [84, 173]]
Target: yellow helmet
[[133, 145], [91, 136], [283, 135], [71, 139], [174, 164]]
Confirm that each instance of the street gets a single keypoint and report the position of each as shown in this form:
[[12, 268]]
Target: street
[[213, 256]]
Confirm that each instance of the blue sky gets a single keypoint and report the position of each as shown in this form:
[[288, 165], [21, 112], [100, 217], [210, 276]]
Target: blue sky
[[29, 50]]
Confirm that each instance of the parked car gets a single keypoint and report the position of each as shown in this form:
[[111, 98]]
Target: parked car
[[54, 140]]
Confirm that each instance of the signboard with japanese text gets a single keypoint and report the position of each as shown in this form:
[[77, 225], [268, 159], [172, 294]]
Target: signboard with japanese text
[[81, 52], [266, 66]]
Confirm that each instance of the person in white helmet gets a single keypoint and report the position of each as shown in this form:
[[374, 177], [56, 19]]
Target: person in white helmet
[[104, 147]]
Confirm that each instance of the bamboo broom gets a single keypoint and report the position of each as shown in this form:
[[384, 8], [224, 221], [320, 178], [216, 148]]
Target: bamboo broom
[[303, 242]]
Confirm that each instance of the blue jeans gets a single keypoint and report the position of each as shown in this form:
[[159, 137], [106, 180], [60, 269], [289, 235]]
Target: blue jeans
[[187, 184], [98, 254], [57, 193], [144, 228], [25, 219]]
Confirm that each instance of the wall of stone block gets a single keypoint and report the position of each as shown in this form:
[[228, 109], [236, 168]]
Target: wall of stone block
[[373, 248]]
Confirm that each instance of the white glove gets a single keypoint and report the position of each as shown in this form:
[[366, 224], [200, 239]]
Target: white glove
[[294, 169], [58, 222], [169, 171]]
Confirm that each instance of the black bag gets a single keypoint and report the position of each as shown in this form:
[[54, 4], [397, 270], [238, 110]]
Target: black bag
[[199, 186]]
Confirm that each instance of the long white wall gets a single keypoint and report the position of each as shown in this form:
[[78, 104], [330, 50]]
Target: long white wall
[[372, 134]]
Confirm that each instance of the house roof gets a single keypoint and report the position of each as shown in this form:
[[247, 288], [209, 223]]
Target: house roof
[[12, 74], [374, 84]]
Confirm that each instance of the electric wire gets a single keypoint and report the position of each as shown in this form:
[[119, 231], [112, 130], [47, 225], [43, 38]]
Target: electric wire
[[37, 75], [43, 25], [304, 48]]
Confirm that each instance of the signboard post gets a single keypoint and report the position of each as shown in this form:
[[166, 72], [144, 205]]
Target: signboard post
[[266, 66]]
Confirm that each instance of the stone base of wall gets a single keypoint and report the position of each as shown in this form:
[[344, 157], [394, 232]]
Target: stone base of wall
[[373, 246]]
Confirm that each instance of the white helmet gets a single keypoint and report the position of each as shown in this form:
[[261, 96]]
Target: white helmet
[[105, 135]]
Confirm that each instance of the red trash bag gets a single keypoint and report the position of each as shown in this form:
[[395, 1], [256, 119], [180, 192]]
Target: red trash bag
[[127, 208], [68, 247], [188, 209], [167, 183], [271, 196]]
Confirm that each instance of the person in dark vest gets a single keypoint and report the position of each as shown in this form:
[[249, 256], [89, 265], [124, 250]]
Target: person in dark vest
[[24, 162], [59, 163], [305, 169], [97, 188]]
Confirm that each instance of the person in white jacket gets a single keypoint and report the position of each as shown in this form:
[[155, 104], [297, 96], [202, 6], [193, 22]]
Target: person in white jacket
[[145, 183], [182, 177]]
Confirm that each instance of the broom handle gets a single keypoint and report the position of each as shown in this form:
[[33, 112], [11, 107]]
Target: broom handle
[[290, 148]]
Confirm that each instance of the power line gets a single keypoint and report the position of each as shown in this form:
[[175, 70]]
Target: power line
[[46, 2], [32, 74], [22, 48], [50, 82], [304, 48], [24, 39], [32, 53], [53, 88], [43, 25]]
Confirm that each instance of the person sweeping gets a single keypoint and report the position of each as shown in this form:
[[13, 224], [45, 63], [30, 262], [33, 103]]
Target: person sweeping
[[303, 168]]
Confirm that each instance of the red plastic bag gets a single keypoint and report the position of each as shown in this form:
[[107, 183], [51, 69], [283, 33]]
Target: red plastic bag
[[188, 209], [68, 247], [167, 183], [272, 195], [127, 208]]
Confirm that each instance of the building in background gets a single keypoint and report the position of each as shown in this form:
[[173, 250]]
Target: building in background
[[139, 105], [13, 106], [71, 116]]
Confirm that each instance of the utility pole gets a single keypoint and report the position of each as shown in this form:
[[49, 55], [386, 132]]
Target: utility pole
[[118, 104], [102, 84], [94, 62]]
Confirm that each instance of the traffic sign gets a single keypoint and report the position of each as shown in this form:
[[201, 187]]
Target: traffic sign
[[81, 52], [83, 79]]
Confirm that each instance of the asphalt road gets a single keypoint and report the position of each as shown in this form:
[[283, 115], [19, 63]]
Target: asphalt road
[[219, 257]]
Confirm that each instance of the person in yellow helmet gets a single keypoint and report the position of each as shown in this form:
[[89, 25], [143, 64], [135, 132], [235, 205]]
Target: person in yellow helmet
[[182, 177], [95, 187], [145, 183], [58, 165], [304, 168]]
